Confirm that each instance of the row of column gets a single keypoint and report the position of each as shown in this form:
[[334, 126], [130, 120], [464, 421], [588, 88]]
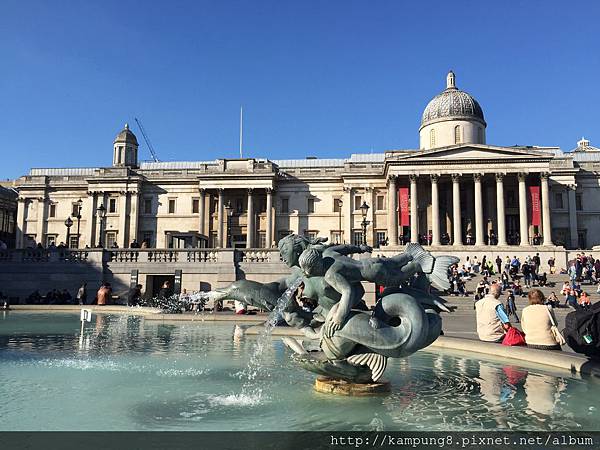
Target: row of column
[[456, 210], [251, 224]]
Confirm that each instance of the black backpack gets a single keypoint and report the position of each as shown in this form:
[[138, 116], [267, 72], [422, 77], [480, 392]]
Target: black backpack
[[582, 330]]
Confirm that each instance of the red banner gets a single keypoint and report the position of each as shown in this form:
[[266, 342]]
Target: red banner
[[534, 195], [404, 207]]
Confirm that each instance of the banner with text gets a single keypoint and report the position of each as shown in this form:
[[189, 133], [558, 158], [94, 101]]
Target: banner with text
[[534, 195], [404, 207]]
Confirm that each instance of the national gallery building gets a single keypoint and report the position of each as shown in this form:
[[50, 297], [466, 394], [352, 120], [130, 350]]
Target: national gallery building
[[455, 190]]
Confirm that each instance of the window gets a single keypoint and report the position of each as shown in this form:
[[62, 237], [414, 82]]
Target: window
[[336, 237], [558, 200], [285, 205], [50, 240], [171, 206], [311, 234], [380, 239], [311, 205], [579, 202], [262, 240], [52, 210], [337, 205], [432, 138], [195, 205], [380, 203], [239, 205], [511, 200], [112, 205], [457, 134], [75, 209], [73, 242], [111, 238], [148, 237], [357, 202], [147, 206], [357, 238]]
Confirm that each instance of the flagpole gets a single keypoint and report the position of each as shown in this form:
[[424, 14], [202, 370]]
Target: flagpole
[[241, 132]]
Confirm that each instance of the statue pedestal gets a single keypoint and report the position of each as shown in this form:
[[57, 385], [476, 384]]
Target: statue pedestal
[[340, 387]]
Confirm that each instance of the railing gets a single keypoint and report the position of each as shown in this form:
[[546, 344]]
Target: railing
[[141, 256], [258, 255]]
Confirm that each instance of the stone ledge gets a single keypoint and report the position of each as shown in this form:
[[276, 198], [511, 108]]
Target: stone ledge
[[115, 309]]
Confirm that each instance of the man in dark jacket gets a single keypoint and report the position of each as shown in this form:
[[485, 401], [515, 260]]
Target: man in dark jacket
[[134, 295]]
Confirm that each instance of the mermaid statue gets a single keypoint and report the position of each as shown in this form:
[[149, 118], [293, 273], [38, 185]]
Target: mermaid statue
[[343, 339]]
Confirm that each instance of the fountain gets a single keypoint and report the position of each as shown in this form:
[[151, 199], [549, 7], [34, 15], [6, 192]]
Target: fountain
[[347, 345]]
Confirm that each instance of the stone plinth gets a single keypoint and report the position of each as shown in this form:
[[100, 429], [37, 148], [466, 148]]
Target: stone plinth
[[340, 387]]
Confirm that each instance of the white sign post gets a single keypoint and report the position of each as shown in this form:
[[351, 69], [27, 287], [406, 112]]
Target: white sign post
[[86, 316]]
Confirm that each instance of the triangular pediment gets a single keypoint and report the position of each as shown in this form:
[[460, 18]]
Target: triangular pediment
[[473, 152]]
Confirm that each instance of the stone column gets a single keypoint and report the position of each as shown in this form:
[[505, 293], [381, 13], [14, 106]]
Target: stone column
[[414, 217], [478, 211], [20, 231], [573, 215], [392, 211], [250, 221], [347, 204], [220, 216], [202, 212], [546, 225], [123, 220], [133, 216], [523, 220], [41, 221], [435, 211], [500, 209], [269, 230], [456, 219]]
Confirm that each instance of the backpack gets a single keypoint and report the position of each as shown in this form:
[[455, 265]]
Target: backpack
[[582, 330]]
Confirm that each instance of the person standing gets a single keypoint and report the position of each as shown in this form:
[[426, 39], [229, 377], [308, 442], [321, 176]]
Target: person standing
[[104, 294], [82, 294], [499, 263], [134, 295], [492, 320], [511, 306]]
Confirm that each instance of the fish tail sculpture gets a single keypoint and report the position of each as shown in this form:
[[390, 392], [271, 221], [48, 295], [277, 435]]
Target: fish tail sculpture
[[435, 268]]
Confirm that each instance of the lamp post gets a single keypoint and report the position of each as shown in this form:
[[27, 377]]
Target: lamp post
[[340, 205], [68, 224], [364, 208], [78, 217], [229, 210], [101, 212]]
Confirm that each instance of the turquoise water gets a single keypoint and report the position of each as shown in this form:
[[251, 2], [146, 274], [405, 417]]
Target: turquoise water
[[126, 373]]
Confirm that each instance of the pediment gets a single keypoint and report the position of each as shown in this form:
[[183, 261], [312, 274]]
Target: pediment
[[475, 152]]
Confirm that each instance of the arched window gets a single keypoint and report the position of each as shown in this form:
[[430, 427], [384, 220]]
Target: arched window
[[457, 134], [432, 138]]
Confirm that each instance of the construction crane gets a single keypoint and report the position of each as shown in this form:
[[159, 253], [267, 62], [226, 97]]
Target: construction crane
[[148, 143]]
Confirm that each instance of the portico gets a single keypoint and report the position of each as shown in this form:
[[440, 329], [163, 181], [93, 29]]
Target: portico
[[472, 195]]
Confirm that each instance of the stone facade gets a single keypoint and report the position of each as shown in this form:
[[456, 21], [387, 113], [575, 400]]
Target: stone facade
[[460, 193]]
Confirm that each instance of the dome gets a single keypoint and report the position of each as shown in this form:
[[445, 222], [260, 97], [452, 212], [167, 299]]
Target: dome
[[452, 104], [127, 136]]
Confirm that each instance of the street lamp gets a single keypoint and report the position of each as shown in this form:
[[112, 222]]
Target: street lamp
[[78, 217], [68, 224], [364, 208], [101, 212], [229, 211], [340, 204]]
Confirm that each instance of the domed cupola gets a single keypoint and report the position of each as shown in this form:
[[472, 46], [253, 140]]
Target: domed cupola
[[452, 117], [125, 149]]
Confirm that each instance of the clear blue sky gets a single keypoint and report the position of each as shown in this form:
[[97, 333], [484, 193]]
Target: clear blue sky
[[323, 78]]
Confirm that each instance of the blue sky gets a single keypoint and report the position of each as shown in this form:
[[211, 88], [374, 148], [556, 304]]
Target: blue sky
[[318, 78]]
